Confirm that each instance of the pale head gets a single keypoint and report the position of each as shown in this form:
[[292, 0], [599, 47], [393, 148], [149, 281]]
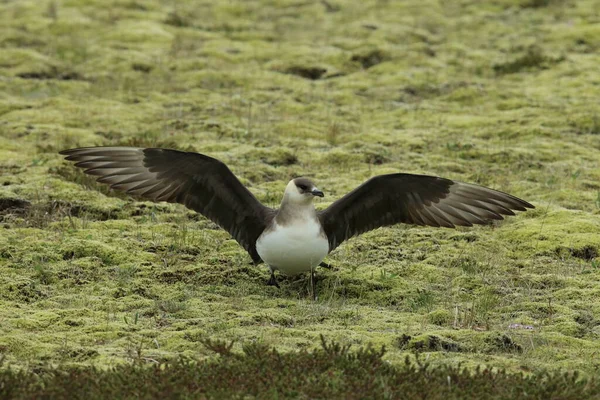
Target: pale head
[[301, 191]]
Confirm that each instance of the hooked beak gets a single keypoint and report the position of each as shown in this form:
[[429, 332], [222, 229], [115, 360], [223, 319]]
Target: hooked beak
[[317, 192]]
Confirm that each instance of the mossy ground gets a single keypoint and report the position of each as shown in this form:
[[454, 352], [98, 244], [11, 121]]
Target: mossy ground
[[502, 93]]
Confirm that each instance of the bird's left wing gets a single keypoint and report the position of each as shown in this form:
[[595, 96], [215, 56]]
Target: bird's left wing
[[414, 199], [201, 183]]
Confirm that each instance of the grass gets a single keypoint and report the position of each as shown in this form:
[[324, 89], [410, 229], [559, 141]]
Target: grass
[[500, 93], [331, 371]]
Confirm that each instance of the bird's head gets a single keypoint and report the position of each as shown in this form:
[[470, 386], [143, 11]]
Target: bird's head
[[301, 191]]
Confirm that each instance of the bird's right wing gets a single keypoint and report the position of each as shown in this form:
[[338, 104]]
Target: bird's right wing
[[201, 183], [414, 199]]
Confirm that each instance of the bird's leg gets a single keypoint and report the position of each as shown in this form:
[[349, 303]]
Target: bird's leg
[[272, 280], [312, 284], [325, 265]]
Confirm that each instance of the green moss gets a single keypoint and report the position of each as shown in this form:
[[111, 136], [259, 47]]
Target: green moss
[[439, 317], [533, 58], [340, 92], [501, 342], [428, 343]]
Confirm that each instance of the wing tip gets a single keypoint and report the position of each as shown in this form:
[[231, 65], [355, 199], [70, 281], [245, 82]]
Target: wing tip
[[518, 203], [75, 152], [67, 152], [521, 205]]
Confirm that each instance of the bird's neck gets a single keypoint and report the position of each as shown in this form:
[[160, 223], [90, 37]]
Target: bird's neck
[[294, 211]]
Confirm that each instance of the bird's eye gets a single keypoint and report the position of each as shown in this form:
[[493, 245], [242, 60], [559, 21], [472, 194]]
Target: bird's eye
[[302, 187]]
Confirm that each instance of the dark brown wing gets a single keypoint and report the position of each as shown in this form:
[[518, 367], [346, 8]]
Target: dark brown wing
[[414, 199], [201, 183]]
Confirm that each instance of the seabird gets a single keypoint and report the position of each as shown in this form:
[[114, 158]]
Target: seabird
[[296, 237]]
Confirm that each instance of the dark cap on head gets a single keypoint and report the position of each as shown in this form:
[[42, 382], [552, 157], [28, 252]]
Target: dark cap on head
[[305, 185]]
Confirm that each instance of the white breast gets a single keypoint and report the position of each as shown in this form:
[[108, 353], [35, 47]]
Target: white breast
[[294, 248]]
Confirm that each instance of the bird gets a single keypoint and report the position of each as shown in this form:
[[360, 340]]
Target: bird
[[296, 237]]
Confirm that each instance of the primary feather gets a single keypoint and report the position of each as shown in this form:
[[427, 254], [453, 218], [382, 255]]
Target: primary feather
[[414, 199], [199, 182]]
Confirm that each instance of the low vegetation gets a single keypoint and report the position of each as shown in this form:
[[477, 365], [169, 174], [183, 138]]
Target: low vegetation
[[502, 93], [332, 371]]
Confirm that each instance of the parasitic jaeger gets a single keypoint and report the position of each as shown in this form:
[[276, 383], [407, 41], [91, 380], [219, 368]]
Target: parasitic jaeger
[[294, 238]]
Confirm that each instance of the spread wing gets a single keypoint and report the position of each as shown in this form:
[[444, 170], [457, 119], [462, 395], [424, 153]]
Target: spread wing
[[414, 199], [199, 182]]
